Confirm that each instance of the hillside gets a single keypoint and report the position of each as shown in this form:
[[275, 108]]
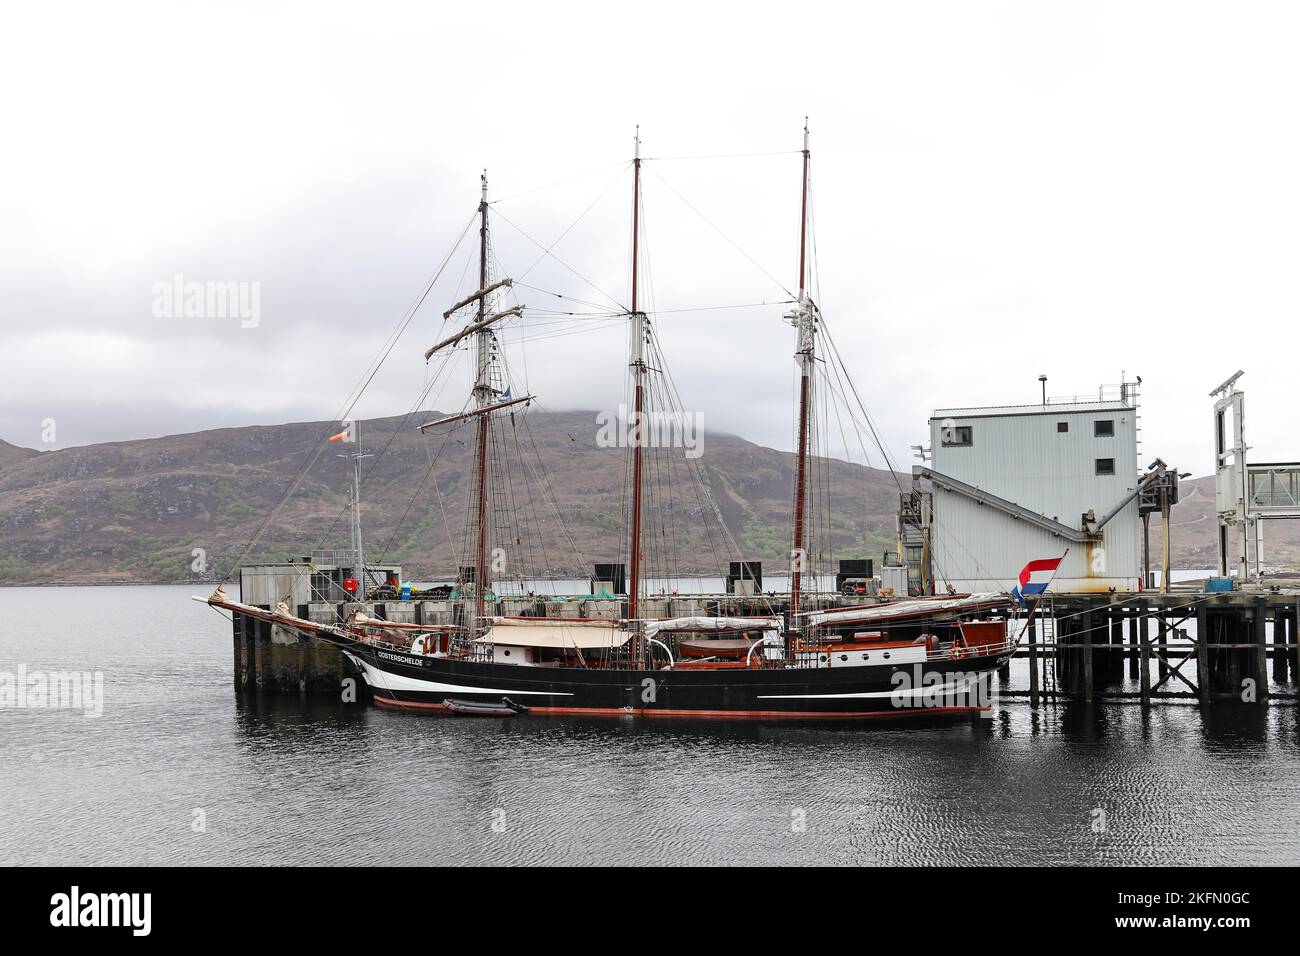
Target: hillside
[[12, 454], [134, 511]]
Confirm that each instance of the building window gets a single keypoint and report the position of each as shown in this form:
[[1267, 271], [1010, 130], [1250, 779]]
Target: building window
[[959, 436], [1104, 428], [1105, 466], [1062, 426]]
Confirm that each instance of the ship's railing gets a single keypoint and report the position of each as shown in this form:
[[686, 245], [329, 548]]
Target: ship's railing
[[336, 556], [959, 650]]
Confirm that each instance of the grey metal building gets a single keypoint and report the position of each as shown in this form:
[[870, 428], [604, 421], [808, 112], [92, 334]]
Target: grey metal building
[[1009, 484]]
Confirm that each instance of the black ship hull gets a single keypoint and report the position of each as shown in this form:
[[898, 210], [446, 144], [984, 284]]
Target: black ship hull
[[950, 686]]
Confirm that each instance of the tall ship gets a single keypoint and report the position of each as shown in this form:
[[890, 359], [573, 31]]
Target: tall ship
[[803, 659]]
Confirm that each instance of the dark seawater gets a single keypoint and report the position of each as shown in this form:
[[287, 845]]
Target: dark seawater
[[286, 781]]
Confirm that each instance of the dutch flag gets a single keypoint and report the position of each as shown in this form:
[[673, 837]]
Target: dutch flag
[[1035, 577]]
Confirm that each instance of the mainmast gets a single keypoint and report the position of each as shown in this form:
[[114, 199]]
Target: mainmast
[[483, 396], [638, 366], [804, 319]]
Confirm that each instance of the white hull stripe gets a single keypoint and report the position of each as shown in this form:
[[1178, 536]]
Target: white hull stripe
[[951, 686], [396, 682]]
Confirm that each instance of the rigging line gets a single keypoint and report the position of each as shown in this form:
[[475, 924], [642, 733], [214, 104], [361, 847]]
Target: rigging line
[[715, 228], [838, 391], [572, 225], [561, 295], [416, 406], [410, 314], [354, 396], [438, 495], [547, 252], [862, 406], [432, 461], [839, 366], [536, 530], [720, 308], [561, 314], [550, 496], [696, 473], [662, 159], [330, 530], [562, 182], [562, 333]]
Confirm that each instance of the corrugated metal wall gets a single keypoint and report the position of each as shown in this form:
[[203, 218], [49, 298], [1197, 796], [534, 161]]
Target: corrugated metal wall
[[1025, 459]]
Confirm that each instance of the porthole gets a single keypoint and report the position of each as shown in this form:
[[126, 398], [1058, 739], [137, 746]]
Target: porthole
[[866, 656], [886, 655], [506, 653], [844, 657], [822, 658]]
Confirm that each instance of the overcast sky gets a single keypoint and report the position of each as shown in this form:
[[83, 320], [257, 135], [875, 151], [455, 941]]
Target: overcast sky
[[1000, 190]]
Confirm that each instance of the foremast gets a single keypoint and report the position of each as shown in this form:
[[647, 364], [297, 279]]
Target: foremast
[[483, 397], [486, 399], [804, 318]]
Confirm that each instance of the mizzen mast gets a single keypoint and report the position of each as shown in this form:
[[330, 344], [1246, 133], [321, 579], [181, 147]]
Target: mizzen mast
[[638, 367], [804, 320]]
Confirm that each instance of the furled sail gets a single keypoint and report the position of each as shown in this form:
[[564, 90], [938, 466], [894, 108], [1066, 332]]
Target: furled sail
[[910, 610]]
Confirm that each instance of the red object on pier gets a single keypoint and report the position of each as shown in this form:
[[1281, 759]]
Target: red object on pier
[[350, 585]]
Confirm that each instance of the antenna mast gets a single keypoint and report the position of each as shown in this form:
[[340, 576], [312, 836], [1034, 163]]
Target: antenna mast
[[804, 319], [638, 366], [354, 496]]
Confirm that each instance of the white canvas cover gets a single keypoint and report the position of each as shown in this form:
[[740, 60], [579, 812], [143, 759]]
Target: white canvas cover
[[539, 632], [653, 628]]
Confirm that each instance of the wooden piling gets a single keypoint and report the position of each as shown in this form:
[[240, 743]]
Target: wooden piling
[[1033, 663], [1115, 663], [247, 641], [237, 633], [1086, 653], [261, 638], [1261, 650], [1133, 654], [1162, 641], [1282, 629], [1203, 653], [1143, 634]]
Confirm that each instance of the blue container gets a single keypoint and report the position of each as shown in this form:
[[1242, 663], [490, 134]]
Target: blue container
[[406, 590], [1218, 585]]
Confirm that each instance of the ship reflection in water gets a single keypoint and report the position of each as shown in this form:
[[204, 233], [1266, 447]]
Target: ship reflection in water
[[180, 770]]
